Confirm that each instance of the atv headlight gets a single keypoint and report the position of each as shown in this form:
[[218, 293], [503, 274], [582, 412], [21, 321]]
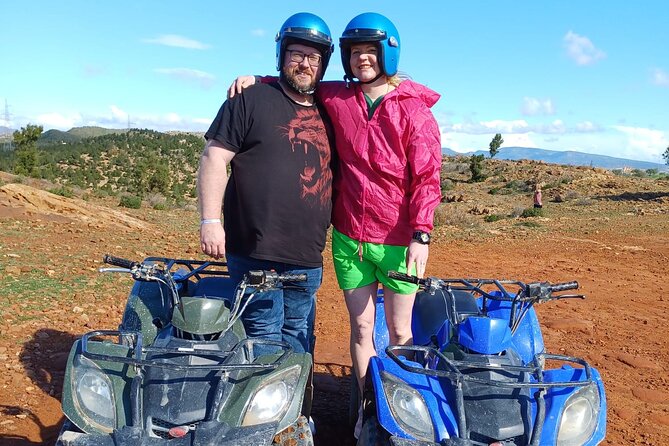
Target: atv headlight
[[408, 407], [579, 417], [272, 399], [93, 394]]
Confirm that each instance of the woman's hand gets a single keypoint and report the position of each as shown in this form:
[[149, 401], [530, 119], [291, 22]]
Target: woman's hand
[[239, 84], [417, 254]]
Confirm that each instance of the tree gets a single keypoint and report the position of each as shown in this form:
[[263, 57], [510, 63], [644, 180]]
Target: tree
[[476, 168], [494, 145], [26, 149], [665, 155]]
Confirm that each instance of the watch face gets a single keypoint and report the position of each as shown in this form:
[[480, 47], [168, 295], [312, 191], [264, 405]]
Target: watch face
[[422, 237]]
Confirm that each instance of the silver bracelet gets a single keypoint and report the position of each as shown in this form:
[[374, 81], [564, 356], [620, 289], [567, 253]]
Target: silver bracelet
[[208, 221]]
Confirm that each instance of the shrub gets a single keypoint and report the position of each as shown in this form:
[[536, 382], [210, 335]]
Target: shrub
[[585, 201], [476, 168], [449, 215], [532, 212], [492, 217], [446, 185], [63, 191], [130, 201]]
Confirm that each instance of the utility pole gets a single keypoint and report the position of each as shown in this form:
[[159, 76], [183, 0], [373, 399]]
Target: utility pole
[[7, 133]]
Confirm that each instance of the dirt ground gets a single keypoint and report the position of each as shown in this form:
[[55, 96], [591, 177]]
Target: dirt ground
[[616, 246]]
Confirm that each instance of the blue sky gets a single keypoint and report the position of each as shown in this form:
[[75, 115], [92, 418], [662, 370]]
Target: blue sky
[[590, 76]]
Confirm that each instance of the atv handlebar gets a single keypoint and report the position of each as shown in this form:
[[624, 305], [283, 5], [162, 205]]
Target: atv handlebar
[[406, 278], [557, 287], [540, 291], [259, 277], [118, 261]]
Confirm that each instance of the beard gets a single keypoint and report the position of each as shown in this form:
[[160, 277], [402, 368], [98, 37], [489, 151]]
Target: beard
[[290, 77]]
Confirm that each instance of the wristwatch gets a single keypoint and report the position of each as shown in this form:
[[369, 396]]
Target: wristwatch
[[421, 237]]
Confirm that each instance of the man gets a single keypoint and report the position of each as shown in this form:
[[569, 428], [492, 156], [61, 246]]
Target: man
[[277, 201]]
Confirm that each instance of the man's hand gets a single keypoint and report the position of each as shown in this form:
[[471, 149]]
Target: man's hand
[[418, 254], [212, 240], [239, 84]]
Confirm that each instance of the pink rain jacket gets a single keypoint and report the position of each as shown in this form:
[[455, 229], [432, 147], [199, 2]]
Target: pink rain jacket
[[388, 183]]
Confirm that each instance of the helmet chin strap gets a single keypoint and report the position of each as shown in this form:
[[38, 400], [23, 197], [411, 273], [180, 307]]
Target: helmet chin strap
[[378, 76], [349, 79]]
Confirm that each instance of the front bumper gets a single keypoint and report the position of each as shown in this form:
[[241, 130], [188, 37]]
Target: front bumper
[[210, 433], [397, 441]]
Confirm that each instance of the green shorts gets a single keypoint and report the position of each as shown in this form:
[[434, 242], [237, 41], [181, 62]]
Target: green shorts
[[377, 259]]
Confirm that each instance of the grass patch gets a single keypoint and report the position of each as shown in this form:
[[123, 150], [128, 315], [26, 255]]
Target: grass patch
[[493, 217]]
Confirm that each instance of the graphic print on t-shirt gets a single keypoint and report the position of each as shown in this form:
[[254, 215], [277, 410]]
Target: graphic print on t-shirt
[[309, 141]]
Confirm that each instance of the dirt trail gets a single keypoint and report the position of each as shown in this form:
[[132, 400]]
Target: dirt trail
[[51, 294]]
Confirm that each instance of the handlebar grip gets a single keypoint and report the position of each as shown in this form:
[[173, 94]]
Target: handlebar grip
[[293, 277], [117, 261], [564, 286], [403, 277]]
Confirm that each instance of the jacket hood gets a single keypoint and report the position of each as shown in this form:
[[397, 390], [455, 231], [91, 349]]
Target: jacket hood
[[410, 89]]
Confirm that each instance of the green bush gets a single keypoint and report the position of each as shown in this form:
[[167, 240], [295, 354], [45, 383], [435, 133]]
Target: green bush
[[63, 191], [476, 168], [532, 212], [492, 217], [130, 201]]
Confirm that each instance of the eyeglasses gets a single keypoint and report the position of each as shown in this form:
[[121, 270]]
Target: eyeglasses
[[298, 57]]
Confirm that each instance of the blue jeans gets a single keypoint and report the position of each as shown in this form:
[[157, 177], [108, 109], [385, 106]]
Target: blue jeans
[[286, 314]]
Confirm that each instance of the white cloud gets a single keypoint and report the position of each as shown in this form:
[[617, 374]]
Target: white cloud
[[660, 77], [258, 32], [587, 127], [178, 41], [581, 50], [496, 126], [518, 140], [643, 143], [59, 121], [534, 107], [202, 78]]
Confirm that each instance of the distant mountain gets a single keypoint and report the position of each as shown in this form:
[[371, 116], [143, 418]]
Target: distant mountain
[[54, 136], [569, 157], [90, 132], [75, 134]]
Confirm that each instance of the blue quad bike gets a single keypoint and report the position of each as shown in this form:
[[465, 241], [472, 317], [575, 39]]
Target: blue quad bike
[[180, 369], [478, 373]]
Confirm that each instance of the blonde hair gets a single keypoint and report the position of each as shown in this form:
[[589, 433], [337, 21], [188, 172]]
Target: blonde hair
[[397, 78]]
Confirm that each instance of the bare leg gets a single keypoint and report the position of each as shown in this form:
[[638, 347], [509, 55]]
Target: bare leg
[[360, 303], [398, 308]]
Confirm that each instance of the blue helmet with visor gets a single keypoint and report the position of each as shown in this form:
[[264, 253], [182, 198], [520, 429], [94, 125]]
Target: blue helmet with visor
[[308, 29], [371, 27]]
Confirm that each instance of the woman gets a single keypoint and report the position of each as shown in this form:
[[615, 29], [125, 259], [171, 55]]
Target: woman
[[387, 184]]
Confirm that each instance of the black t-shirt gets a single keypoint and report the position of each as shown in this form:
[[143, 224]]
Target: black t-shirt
[[278, 200]]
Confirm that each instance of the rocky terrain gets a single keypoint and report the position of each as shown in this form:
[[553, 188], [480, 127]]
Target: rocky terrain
[[609, 232]]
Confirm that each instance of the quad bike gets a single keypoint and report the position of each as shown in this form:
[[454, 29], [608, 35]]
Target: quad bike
[[478, 373], [180, 369]]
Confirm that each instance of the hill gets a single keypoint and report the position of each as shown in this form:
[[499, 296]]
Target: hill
[[569, 157]]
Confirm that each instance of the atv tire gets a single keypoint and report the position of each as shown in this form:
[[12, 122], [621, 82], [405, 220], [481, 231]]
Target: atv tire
[[297, 434], [372, 434]]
